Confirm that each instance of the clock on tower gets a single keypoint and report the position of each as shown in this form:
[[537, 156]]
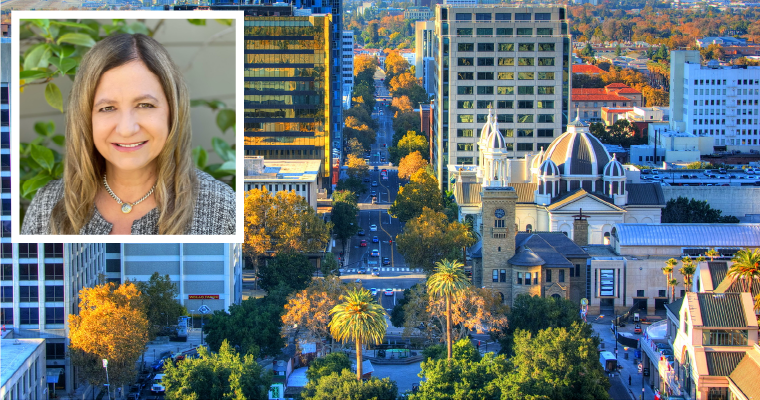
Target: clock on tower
[[499, 213]]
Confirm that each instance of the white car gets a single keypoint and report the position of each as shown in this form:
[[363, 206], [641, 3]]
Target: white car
[[373, 291], [157, 386], [389, 292], [373, 228]]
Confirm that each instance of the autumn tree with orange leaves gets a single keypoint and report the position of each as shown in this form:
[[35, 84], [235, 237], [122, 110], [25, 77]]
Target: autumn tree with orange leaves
[[410, 164], [111, 325], [307, 312]]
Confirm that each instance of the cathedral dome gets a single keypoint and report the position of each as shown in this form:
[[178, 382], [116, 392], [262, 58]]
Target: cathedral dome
[[548, 168], [578, 152], [614, 168], [496, 139]]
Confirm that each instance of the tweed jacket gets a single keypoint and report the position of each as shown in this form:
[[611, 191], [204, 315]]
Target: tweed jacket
[[214, 212]]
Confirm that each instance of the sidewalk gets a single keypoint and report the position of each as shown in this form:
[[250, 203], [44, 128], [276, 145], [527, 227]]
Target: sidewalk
[[619, 380]]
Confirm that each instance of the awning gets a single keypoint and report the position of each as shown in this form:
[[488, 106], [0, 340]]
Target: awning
[[53, 374]]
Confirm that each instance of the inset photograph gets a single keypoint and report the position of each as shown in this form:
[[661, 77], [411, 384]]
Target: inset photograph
[[126, 126]]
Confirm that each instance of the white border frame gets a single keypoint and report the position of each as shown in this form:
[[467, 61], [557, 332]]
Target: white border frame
[[239, 18]]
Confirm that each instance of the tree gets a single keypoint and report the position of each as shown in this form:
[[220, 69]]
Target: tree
[[357, 168], [618, 50], [345, 386], [359, 319], [480, 310], [330, 266], [588, 51], [159, 302], [111, 325], [465, 376], [292, 269], [431, 237], [586, 81], [222, 375], [712, 253], [668, 271], [446, 282], [745, 268], [410, 143], [307, 312], [673, 283], [555, 364], [410, 164], [343, 216], [283, 222], [421, 191], [534, 313], [253, 326], [353, 128], [683, 210], [403, 123], [355, 148], [327, 365], [687, 270], [655, 97], [699, 165], [402, 105]]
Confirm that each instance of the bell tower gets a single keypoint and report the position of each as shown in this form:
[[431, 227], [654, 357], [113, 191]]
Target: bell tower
[[498, 233]]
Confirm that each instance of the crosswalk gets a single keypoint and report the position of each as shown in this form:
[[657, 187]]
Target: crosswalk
[[385, 269]]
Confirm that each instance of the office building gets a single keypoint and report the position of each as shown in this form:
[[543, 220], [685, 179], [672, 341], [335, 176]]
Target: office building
[[23, 371], [288, 97], [208, 274], [588, 102], [512, 60], [418, 13], [714, 102], [347, 71], [299, 176], [424, 62]]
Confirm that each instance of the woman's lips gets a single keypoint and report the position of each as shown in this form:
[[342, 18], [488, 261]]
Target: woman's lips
[[127, 147]]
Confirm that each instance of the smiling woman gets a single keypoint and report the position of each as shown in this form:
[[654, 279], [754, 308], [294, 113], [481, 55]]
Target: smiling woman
[[128, 166]]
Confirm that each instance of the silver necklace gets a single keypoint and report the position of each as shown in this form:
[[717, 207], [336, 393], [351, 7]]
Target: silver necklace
[[126, 207]]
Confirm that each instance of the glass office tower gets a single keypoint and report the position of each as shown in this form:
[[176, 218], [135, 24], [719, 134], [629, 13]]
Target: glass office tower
[[287, 84]]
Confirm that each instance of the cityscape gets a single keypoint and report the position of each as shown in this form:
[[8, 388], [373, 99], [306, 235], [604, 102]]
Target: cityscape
[[442, 199]]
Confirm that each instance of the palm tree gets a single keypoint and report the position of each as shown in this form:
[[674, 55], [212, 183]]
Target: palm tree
[[757, 303], [746, 267], [673, 283], [668, 271], [687, 270], [712, 253], [448, 279], [360, 319]]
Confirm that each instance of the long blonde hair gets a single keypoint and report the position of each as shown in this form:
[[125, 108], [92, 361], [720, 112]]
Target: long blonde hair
[[177, 184]]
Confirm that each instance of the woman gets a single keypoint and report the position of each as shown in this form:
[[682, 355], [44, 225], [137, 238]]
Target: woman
[[128, 167]]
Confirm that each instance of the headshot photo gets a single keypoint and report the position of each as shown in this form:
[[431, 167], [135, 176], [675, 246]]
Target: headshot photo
[[136, 134]]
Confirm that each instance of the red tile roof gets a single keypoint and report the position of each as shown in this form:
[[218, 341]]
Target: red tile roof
[[597, 97], [629, 91], [586, 69], [616, 110], [617, 85]]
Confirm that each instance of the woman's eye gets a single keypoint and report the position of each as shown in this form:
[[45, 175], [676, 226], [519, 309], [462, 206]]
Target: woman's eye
[[145, 105], [107, 109]]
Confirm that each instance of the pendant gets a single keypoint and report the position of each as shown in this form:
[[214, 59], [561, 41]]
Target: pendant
[[126, 208]]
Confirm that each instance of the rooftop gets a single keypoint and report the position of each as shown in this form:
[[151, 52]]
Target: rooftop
[[722, 310], [745, 377], [14, 353], [723, 363], [687, 235], [277, 170]]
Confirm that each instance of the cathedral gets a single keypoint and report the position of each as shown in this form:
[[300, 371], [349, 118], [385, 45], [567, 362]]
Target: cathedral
[[535, 214]]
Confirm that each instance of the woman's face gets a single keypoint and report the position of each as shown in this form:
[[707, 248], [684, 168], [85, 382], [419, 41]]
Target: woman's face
[[130, 119]]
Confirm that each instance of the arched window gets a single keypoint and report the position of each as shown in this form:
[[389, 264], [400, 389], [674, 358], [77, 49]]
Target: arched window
[[555, 296], [606, 238], [529, 228], [502, 296]]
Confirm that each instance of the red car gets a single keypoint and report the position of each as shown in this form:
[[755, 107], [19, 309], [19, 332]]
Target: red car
[[363, 243]]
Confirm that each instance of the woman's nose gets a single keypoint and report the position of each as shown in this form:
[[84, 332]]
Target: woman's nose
[[128, 124]]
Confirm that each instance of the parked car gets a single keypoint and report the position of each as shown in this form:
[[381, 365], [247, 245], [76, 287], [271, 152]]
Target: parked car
[[362, 271], [363, 243], [375, 253]]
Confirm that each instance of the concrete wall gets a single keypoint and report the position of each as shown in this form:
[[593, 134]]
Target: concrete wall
[[732, 200]]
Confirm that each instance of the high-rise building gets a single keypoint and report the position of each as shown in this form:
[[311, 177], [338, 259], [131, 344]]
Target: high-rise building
[[423, 53], [288, 100], [514, 60], [710, 101], [208, 274], [347, 72]]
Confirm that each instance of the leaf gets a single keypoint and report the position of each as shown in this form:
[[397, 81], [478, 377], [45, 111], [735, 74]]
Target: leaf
[[67, 50], [200, 157], [42, 23], [59, 140], [139, 27], [29, 188], [71, 24], [216, 104], [45, 128], [43, 156], [199, 22], [227, 166], [79, 39], [53, 96], [67, 64], [227, 22], [58, 170], [225, 119], [32, 60], [220, 147], [198, 102], [32, 75]]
